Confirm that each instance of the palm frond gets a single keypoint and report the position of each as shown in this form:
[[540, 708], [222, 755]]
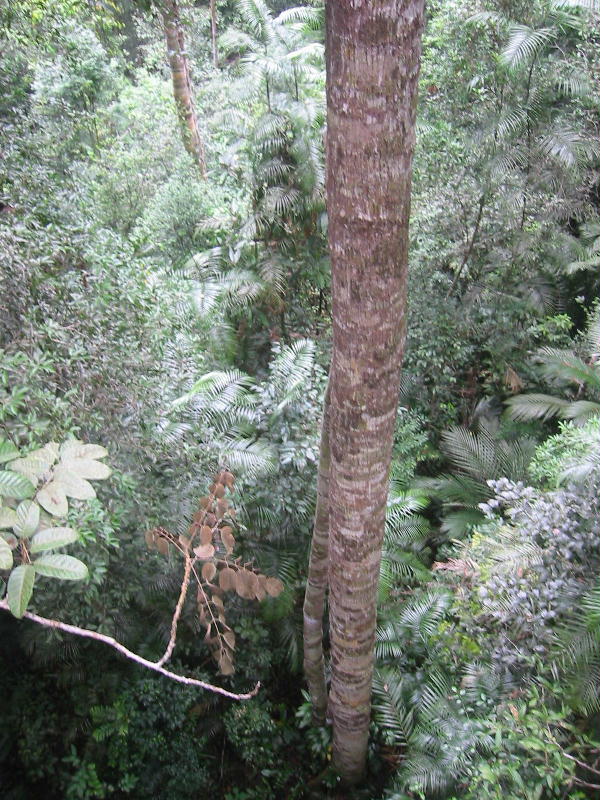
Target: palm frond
[[524, 407], [456, 524], [250, 457], [592, 332], [568, 147], [391, 709], [225, 389], [256, 16], [564, 365], [422, 614], [525, 43], [291, 369], [473, 454], [580, 411]]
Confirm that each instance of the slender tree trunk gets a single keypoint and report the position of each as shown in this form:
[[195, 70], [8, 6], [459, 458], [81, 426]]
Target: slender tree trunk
[[213, 32], [182, 84], [373, 52], [316, 587]]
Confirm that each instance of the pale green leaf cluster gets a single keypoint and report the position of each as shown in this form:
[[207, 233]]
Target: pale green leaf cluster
[[34, 489]]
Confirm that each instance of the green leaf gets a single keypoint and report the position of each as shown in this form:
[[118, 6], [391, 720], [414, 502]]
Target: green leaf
[[52, 499], [36, 463], [86, 468], [51, 538], [28, 518], [66, 568], [7, 451], [6, 556], [73, 448], [14, 485], [72, 485], [8, 517], [20, 587]]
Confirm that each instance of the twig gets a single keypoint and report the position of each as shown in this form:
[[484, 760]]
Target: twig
[[585, 783], [580, 763], [153, 665], [177, 613]]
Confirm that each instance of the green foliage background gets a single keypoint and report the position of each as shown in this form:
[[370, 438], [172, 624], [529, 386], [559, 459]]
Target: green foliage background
[[184, 324]]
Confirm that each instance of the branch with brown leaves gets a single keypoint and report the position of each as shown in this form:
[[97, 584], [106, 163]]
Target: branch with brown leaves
[[209, 540]]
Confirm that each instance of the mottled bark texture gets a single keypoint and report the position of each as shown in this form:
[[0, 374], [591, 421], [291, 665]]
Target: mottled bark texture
[[316, 587], [182, 83], [373, 53]]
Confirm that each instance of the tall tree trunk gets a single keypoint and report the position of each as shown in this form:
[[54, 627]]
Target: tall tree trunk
[[373, 51], [316, 587], [213, 32], [182, 84]]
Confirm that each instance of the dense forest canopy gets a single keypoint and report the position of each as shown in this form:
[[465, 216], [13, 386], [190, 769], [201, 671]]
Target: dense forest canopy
[[166, 328]]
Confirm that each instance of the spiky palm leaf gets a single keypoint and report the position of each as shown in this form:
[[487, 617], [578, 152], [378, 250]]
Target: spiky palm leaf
[[406, 535], [579, 649], [564, 366], [391, 706], [477, 457], [525, 43]]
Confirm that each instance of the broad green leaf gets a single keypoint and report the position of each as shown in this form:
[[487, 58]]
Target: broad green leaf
[[12, 484], [72, 485], [7, 451], [52, 499], [76, 449], [36, 463], [66, 568], [6, 556], [20, 587], [28, 518], [86, 468], [51, 538], [8, 517], [30, 466]]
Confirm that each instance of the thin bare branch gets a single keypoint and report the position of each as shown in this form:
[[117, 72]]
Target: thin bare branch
[[153, 665], [178, 608]]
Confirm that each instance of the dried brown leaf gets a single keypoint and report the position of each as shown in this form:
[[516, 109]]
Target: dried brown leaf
[[208, 571], [204, 551], [162, 545], [274, 587], [226, 664], [228, 539], [206, 534], [227, 579]]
